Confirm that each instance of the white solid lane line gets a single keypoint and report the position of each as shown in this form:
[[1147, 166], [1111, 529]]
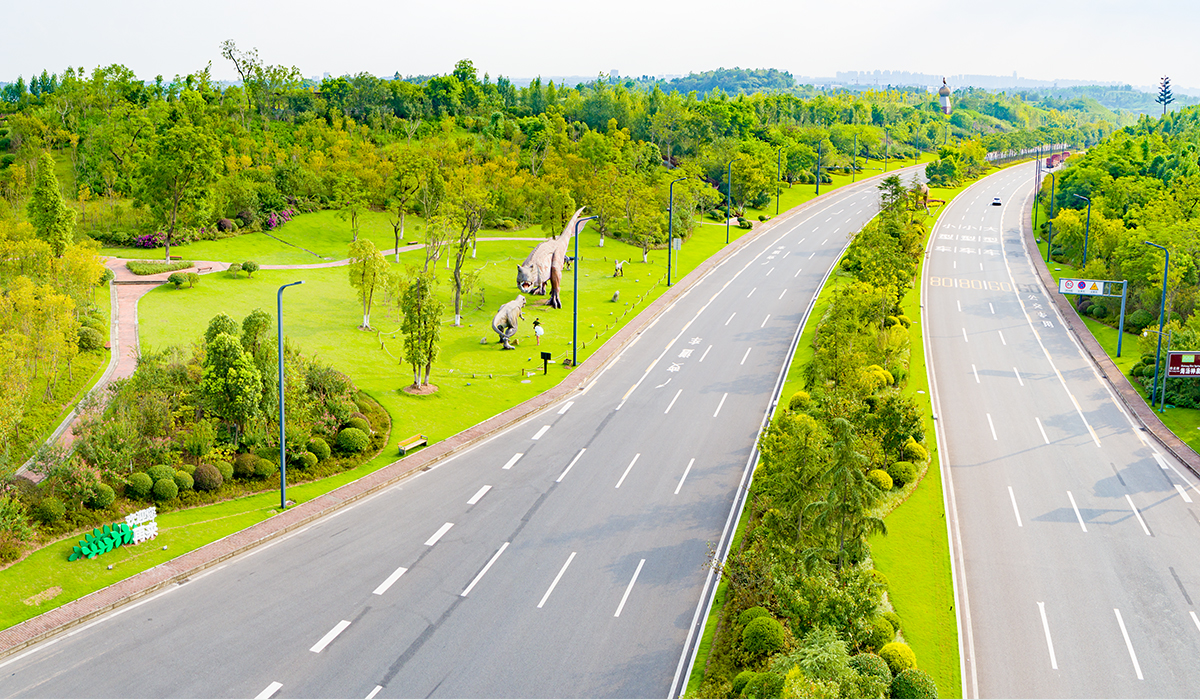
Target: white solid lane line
[[566, 407], [730, 318], [1046, 629], [720, 404], [976, 373], [1002, 340], [1129, 645], [513, 460], [992, 426], [705, 353], [375, 692], [1044, 436], [387, 582], [1186, 498], [1076, 509], [438, 535], [629, 588], [1016, 512], [540, 433], [484, 570], [673, 401], [269, 691], [560, 476], [1138, 516], [561, 571], [765, 321], [745, 356], [1019, 380], [685, 473], [479, 494], [635, 459], [329, 636]]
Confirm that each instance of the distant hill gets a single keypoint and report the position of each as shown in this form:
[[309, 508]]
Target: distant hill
[[733, 80]]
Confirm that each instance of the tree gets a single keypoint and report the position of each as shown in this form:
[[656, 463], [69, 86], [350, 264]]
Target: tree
[[845, 511], [351, 199], [471, 198], [51, 219], [422, 324], [230, 384], [368, 274], [1164, 94], [405, 183], [175, 178]]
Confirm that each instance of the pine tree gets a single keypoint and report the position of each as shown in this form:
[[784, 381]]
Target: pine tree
[[422, 326], [51, 218], [1164, 93]]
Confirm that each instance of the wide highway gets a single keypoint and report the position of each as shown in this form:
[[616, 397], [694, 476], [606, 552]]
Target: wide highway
[[1075, 535], [563, 557]]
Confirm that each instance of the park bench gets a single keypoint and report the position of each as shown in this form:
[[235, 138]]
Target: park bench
[[203, 269], [411, 443]]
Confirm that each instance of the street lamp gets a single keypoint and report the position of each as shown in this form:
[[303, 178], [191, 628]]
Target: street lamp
[[1162, 401], [778, 177], [819, 144], [729, 195], [1088, 228], [670, 225], [854, 162], [1050, 220], [282, 441], [887, 142], [575, 305], [1162, 309]]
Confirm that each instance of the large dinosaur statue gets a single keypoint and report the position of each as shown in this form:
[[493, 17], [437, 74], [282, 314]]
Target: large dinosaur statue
[[545, 264]]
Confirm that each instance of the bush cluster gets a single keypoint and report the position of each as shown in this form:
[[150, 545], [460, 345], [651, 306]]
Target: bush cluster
[[763, 636], [50, 510], [207, 478], [898, 656], [184, 481], [165, 490], [320, 448], [352, 440], [913, 683], [360, 424], [902, 472], [880, 479], [102, 497], [138, 485], [90, 339]]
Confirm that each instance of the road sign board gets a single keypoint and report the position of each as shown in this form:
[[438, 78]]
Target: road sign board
[[1097, 288], [1183, 363]]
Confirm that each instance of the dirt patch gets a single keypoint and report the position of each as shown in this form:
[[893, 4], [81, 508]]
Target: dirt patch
[[420, 390], [42, 597]]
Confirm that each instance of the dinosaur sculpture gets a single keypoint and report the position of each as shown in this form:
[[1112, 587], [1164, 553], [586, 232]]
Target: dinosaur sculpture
[[545, 264], [506, 320]]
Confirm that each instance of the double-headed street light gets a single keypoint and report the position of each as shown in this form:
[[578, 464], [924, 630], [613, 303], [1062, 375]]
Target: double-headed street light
[[729, 195], [1050, 221], [1088, 228], [778, 177], [670, 225], [1162, 310], [575, 304], [282, 435]]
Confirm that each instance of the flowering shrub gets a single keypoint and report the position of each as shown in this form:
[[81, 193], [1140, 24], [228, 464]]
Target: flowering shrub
[[279, 218], [150, 240]]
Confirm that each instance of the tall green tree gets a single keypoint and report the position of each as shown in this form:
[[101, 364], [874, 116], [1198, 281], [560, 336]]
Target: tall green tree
[[368, 274], [53, 221], [230, 384], [422, 323], [844, 513]]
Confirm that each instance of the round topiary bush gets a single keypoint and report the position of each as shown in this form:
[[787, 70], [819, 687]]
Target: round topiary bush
[[177, 279], [139, 485], [740, 681], [319, 447], [902, 472], [306, 460], [764, 685], [102, 497], [881, 633], [898, 656], [93, 322], [872, 665], [159, 472], [880, 479], [90, 339], [184, 481], [165, 490], [1099, 311], [207, 478], [352, 440], [49, 511], [244, 463], [800, 401], [878, 577], [360, 423], [264, 468], [763, 636], [752, 613], [913, 683], [225, 469], [189, 468], [892, 618], [915, 451], [250, 267]]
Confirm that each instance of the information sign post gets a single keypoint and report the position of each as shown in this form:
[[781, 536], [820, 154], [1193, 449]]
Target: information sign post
[[1099, 288]]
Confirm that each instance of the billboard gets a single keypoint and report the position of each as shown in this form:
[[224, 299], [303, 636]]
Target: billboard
[[1183, 363]]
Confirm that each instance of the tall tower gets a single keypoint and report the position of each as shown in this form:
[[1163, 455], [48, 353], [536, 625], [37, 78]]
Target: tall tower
[[944, 97]]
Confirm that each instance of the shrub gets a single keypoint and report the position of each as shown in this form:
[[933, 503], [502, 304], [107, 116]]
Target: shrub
[[904, 320], [881, 633], [184, 481], [189, 468], [306, 460], [763, 636], [207, 478], [153, 267], [246, 217], [913, 683], [799, 401], [1136, 321], [165, 490], [902, 472], [102, 497], [249, 267], [9, 551], [751, 614], [49, 511], [177, 279], [139, 485], [352, 440], [319, 447], [244, 463], [764, 685], [264, 468], [94, 322], [915, 451], [871, 665], [193, 279], [898, 656], [892, 618], [234, 269], [880, 478], [225, 469], [90, 339], [359, 423], [740, 681], [225, 225], [160, 471]]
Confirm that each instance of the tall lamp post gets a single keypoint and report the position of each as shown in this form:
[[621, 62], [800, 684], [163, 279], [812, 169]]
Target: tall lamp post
[[575, 295], [819, 144], [1088, 228], [854, 163], [670, 225], [887, 144], [1162, 310], [778, 177], [729, 195], [282, 441], [1050, 221]]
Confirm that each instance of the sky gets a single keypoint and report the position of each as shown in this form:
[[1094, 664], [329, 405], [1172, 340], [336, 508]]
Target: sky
[[1131, 41]]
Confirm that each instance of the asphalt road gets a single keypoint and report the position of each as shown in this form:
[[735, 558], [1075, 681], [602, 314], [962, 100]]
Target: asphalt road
[[564, 557], [1076, 534]]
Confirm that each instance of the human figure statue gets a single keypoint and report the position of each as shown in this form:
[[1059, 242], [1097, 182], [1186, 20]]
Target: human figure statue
[[506, 320], [545, 264]]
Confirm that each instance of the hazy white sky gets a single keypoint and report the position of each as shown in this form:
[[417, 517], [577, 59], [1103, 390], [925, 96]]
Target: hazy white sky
[[1132, 41]]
